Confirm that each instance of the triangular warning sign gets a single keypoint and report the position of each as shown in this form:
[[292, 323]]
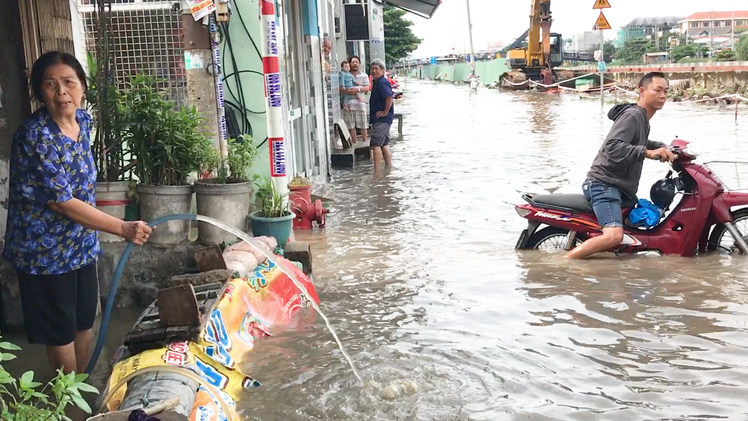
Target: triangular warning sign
[[601, 4], [602, 23]]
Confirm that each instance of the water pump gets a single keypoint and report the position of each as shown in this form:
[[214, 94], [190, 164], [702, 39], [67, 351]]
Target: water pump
[[306, 211]]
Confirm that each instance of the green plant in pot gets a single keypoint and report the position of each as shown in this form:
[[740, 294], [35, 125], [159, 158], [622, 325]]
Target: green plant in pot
[[168, 144], [273, 218], [109, 146], [226, 194]]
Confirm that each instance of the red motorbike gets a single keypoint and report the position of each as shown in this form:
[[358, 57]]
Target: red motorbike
[[705, 219]]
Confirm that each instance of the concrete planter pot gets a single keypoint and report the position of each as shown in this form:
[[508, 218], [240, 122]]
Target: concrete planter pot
[[111, 198], [228, 203], [158, 201], [280, 228]]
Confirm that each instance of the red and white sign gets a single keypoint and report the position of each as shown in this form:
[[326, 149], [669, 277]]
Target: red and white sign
[[201, 8]]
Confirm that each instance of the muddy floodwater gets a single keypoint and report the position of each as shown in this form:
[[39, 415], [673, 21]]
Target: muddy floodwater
[[418, 273]]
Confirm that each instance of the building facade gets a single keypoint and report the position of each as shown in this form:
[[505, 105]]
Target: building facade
[[646, 28], [714, 27], [585, 41]]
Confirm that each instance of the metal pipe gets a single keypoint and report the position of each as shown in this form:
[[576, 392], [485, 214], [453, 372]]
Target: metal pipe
[[215, 42], [571, 237], [737, 237]]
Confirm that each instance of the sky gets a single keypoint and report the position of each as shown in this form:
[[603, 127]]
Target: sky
[[505, 20]]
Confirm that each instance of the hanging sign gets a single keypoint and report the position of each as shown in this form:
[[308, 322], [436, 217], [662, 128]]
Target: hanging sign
[[602, 23], [601, 4], [201, 8]]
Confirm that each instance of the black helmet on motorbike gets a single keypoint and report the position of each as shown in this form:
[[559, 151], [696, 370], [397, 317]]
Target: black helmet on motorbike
[[662, 192]]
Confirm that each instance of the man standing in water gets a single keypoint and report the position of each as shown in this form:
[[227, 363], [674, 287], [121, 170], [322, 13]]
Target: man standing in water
[[381, 114], [616, 170]]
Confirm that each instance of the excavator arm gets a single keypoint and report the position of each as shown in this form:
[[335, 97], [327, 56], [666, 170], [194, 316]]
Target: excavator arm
[[529, 62], [538, 49]]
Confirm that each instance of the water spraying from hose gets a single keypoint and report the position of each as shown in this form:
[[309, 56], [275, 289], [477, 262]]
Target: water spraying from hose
[[244, 237]]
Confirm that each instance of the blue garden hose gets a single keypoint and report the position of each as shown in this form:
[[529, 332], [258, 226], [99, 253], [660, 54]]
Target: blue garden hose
[[115, 284]]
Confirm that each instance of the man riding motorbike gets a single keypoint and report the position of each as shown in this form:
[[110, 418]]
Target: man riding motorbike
[[616, 170]]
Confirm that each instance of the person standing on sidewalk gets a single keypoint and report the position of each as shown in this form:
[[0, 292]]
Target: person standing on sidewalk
[[355, 116], [381, 114]]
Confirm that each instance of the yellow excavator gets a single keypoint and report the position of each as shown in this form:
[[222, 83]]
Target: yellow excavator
[[542, 54]]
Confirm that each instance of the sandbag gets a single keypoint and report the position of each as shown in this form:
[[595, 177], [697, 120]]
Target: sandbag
[[246, 247], [247, 260]]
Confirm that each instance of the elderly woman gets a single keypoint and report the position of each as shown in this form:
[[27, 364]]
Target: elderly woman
[[51, 238]]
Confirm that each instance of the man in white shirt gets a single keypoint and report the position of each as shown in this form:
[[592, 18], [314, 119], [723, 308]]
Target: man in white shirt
[[355, 116]]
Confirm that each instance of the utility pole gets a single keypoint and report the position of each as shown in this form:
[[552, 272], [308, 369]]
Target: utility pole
[[602, 24], [470, 34], [711, 36], [732, 30], [602, 72]]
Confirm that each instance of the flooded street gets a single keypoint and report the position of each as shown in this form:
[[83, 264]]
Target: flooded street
[[418, 273]]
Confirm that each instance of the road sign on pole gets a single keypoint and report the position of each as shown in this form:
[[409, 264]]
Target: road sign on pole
[[601, 4], [602, 23]]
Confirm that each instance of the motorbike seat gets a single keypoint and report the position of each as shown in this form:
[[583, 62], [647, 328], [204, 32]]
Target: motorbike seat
[[570, 202]]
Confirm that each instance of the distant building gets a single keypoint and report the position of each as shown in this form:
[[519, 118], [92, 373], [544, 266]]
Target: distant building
[[585, 41], [651, 58], [713, 27], [495, 45], [627, 34], [641, 28]]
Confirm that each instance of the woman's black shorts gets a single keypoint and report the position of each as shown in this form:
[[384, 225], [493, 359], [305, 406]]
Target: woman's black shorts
[[57, 306]]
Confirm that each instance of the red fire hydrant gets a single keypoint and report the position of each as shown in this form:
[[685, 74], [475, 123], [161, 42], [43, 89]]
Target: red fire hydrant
[[306, 212]]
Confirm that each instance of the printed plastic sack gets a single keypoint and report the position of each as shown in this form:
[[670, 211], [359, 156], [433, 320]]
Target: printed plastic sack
[[251, 307], [181, 354], [248, 309]]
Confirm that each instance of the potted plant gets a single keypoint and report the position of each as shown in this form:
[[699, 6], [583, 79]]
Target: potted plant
[[225, 195], [168, 145], [274, 218], [108, 147]]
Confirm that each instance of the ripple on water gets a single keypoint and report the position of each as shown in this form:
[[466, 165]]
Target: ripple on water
[[417, 272]]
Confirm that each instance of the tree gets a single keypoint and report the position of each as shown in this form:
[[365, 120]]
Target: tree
[[663, 40], [399, 40], [741, 48], [633, 50], [725, 55], [682, 51]]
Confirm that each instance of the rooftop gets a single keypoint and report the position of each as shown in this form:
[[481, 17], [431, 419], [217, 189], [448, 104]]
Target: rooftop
[[659, 21], [739, 14], [705, 32]]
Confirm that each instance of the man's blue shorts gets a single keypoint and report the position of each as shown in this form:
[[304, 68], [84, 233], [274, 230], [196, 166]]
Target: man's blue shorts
[[380, 134], [606, 202]]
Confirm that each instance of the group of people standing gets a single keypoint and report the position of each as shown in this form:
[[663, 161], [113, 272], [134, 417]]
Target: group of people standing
[[354, 85], [358, 113]]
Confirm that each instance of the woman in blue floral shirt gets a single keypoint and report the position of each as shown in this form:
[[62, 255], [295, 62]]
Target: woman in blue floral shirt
[[51, 237]]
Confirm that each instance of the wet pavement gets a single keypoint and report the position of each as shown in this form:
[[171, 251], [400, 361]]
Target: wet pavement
[[417, 271]]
